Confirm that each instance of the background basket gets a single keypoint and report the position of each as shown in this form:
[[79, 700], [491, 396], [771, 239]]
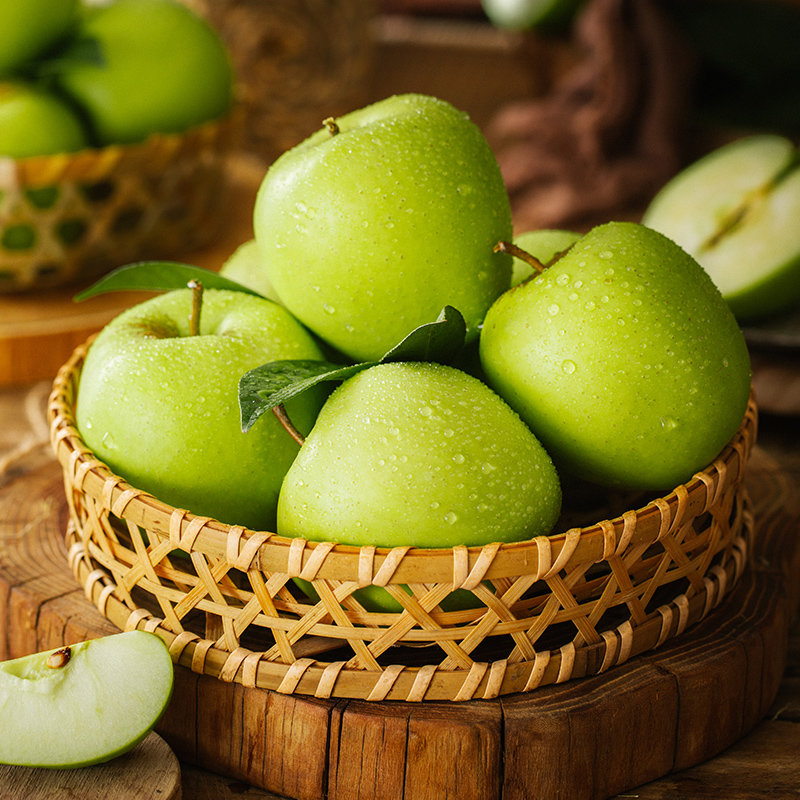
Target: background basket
[[74, 216], [549, 609]]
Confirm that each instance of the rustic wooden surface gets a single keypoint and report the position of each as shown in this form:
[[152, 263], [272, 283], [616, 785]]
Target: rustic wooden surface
[[148, 772]]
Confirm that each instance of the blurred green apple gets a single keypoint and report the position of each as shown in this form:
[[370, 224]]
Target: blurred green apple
[[527, 14], [544, 245], [34, 122], [623, 359], [85, 703], [162, 69], [160, 406], [736, 210], [383, 217], [28, 28]]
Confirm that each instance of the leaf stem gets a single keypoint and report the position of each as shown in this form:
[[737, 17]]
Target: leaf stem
[[197, 307], [516, 251], [280, 412]]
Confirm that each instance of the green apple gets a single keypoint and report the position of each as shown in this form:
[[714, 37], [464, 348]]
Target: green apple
[[623, 359], [28, 28], [162, 69], [544, 245], [160, 406], [526, 14], [247, 266], [383, 217], [85, 703], [34, 122], [736, 211], [419, 454]]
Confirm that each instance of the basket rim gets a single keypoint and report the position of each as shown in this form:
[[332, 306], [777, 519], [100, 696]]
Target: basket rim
[[464, 566], [93, 162]]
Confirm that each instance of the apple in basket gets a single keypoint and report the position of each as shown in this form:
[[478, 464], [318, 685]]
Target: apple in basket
[[380, 219], [137, 67], [736, 211], [85, 703], [29, 28], [157, 401], [33, 122], [623, 359]]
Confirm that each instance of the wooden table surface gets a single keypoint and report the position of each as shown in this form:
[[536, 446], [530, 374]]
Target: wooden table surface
[[764, 764]]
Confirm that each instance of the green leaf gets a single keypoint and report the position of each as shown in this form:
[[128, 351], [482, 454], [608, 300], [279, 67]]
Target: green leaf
[[159, 276], [439, 341], [270, 385], [66, 55]]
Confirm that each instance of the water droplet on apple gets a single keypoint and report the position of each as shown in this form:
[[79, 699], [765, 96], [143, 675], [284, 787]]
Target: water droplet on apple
[[458, 458], [434, 505], [605, 254], [364, 223], [562, 279], [425, 411], [448, 432], [590, 305], [486, 467], [328, 308], [450, 517], [108, 441], [568, 367], [553, 309], [669, 423]]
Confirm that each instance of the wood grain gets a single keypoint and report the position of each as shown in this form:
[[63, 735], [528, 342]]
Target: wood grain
[[148, 772], [593, 738]]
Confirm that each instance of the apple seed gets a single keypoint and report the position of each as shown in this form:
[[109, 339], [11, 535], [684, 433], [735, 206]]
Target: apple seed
[[59, 658]]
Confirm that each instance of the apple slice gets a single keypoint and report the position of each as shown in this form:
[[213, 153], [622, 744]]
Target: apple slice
[[736, 211], [85, 703]]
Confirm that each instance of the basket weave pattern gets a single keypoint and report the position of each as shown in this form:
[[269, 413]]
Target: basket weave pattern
[[549, 609], [77, 215]]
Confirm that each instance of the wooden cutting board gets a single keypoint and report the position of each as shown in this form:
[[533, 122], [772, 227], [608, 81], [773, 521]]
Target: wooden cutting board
[[592, 738], [148, 772], [39, 330]]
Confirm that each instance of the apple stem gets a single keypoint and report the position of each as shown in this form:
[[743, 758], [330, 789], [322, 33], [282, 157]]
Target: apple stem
[[197, 307], [330, 124], [280, 412], [516, 251]]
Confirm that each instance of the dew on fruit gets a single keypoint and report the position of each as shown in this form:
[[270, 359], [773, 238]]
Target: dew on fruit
[[605, 254], [590, 305], [328, 308], [448, 432], [434, 505], [568, 367], [425, 411], [553, 309], [668, 423], [486, 467], [458, 458], [562, 279], [451, 517]]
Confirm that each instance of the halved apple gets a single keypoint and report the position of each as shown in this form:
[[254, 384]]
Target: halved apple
[[85, 703], [737, 211]]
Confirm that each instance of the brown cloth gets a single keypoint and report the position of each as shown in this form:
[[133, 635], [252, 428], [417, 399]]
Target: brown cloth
[[609, 135]]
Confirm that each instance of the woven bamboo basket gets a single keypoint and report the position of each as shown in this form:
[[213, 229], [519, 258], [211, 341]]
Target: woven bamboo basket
[[73, 216], [548, 610]]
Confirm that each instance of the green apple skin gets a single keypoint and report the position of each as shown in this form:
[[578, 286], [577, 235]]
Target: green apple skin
[[756, 265], [370, 232], [247, 266], [544, 245], [623, 359], [528, 14], [34, 122], [28, 28], [160, 407], [102, 702], [165, 70], [418, 454]]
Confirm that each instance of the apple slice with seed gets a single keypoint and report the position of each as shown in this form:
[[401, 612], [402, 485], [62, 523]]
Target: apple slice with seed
[[85, 703], [736, 211]]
